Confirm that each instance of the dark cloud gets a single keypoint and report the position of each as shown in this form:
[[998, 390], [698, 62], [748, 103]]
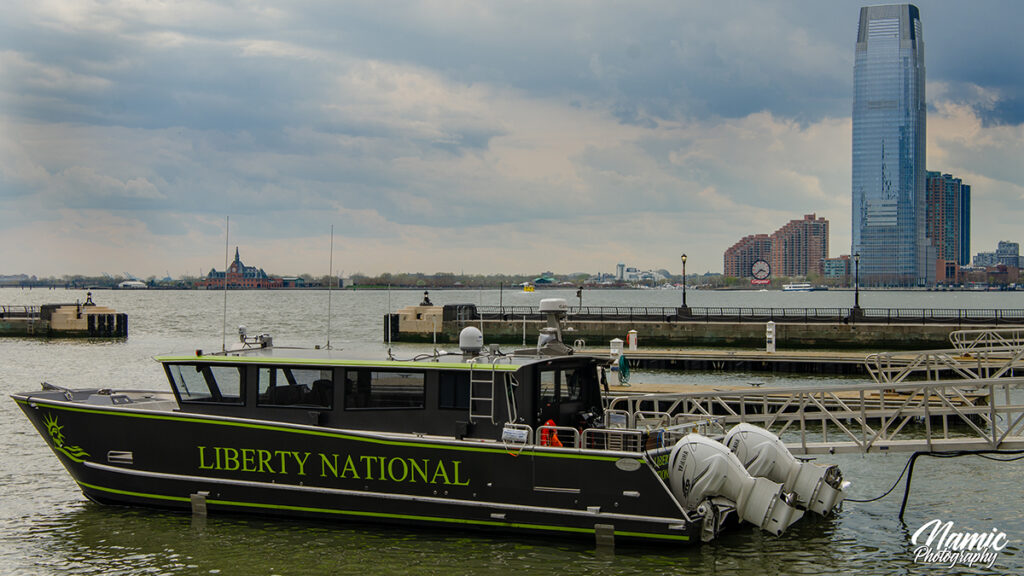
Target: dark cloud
[[443, 116]]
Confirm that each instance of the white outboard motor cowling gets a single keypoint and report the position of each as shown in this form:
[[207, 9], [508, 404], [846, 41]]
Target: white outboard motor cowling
[[817, 487], [701, 469]]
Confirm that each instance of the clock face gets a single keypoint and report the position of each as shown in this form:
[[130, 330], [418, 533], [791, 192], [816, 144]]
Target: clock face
[[760, 269]]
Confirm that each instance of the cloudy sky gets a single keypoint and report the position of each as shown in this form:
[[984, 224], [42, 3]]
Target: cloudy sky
[[475, 137]]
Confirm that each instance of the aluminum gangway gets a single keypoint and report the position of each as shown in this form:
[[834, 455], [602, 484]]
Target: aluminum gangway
[[976, 354], [986, 413]]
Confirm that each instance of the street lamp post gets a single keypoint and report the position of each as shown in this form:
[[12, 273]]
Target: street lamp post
[[683, 258], [856, 281]]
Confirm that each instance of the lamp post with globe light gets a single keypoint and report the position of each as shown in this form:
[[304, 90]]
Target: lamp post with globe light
[[856, 281], [683, 258]]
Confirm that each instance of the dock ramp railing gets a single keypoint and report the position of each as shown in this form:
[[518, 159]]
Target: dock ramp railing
[[976, 354], [877, 417]]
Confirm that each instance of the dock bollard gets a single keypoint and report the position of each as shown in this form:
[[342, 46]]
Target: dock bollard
[[769, 336]]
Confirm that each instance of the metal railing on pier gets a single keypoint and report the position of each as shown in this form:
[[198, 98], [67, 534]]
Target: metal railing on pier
[[471, 312], [30, 312]]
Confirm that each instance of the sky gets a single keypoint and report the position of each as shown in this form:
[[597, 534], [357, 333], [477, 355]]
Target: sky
[[468, 137]]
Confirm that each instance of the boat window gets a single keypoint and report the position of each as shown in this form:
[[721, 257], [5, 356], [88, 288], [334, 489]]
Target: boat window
[[369, 389], [206, 383], [296, 387], [547, 386], [453, 390], [571, 389]]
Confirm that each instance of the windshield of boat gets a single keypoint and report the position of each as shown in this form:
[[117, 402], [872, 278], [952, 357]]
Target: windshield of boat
[[207, 383]]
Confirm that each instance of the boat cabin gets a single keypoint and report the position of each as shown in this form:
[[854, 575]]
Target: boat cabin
[[452, 395]]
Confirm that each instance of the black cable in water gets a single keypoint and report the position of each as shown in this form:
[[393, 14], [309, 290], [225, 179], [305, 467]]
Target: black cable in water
[[891, 488], [908, 470]]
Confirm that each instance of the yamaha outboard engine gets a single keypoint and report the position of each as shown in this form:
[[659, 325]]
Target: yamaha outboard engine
[[701, 469], [817, 487]]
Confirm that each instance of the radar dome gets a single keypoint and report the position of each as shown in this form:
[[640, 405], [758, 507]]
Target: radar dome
[[471, 340]]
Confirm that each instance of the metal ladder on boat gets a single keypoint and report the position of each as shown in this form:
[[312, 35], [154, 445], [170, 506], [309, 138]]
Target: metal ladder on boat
[[481, 392]]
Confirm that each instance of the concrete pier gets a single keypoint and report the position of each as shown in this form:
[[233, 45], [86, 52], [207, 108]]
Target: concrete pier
[[63, 320], [851, 331]]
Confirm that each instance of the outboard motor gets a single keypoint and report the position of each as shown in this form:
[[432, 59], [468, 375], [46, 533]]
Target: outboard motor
[[817, 487], [701, 469]]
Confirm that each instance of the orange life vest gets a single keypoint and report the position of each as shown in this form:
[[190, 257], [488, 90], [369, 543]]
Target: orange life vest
[[550, 437]]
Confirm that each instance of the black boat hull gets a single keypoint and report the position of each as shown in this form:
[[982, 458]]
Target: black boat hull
[[175, 460]]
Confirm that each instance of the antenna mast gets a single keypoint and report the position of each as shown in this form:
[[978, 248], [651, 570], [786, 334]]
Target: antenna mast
[[330, 283], [224, 327]]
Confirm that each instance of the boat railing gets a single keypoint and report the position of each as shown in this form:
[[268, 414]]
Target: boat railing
[[557, 436], [651, 419], [618, 419], [623, 440]]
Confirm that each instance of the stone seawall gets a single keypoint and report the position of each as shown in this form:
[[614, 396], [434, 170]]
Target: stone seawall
[[704, 334]]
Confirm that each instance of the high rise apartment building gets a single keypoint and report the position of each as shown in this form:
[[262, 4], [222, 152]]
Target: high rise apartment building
[[948, 223], [964, 257], [797, 249], [888, 183], [800, 247], [741, 256]]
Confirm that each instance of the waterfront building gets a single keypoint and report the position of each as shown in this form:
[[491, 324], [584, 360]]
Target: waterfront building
[[238, 275], [964, 257], [1008, 254], [799, 247], [888, 176], [841, 267], [985, 259], [741, 256], [948, 223]]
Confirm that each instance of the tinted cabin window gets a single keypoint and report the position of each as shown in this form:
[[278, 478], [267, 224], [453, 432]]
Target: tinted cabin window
[[369, 390], [547, 387], [453, 390], [206, 383], [296, 387], [572, 387]]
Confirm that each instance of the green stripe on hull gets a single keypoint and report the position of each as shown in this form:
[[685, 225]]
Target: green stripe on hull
[[389, 516]]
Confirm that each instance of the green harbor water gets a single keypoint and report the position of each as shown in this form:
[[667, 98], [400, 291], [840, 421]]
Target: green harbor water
[[48, 527]]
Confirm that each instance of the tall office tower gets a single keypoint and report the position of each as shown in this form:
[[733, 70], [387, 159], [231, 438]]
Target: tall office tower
[[800, 247], [889, 224]]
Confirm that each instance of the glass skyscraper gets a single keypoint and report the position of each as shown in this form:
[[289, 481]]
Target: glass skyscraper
[[889, 225]]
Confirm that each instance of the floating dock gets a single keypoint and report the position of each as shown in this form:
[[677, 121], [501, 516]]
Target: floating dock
[[63, 320]]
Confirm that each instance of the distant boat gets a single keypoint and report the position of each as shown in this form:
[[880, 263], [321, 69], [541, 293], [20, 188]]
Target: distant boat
[[802, 287], [132, 285], [528, 288]]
